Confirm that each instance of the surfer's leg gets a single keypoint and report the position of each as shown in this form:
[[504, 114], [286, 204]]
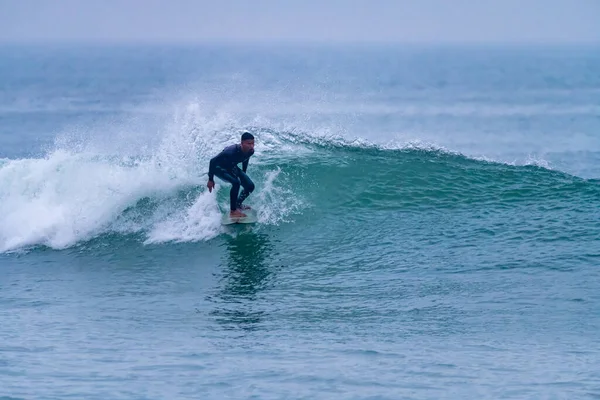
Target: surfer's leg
[[248, 186], [235, 186]]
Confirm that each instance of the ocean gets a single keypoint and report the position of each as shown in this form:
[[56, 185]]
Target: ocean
[[428, 222]]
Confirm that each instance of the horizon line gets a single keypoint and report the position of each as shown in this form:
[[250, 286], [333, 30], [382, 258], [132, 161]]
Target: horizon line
[[222, 41]]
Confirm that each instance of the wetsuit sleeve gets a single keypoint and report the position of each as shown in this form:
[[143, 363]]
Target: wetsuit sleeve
[[216, 160], [245, 165]]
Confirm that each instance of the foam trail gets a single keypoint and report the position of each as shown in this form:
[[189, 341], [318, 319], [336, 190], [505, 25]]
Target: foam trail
[[276, 203], [201, 221]]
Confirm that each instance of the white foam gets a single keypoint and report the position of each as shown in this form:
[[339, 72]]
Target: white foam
[[66, 197], [276, 203], [83, 186], [201, 221]]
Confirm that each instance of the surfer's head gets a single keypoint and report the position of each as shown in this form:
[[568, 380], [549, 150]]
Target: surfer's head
[[247, 142]]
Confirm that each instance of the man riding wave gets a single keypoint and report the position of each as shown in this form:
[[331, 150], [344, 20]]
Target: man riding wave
[[225, 166]]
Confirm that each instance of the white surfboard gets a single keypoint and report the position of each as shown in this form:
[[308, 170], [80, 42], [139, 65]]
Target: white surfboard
[[250, 218]]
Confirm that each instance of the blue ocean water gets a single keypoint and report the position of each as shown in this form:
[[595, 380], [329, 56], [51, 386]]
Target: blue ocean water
[[428, 222]]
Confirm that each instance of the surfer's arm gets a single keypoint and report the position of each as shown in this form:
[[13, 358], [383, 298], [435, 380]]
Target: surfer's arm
[[245, 165], [213, 164]]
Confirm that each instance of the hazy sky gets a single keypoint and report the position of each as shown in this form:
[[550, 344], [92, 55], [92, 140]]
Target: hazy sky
[[296, 20]]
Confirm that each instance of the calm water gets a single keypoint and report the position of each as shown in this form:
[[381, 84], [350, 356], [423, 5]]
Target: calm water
[[429, 223]]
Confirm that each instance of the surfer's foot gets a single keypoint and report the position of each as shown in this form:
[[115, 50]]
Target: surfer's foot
[[237, 214]]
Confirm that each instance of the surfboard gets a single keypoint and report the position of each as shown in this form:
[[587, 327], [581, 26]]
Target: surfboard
[[250, 218]]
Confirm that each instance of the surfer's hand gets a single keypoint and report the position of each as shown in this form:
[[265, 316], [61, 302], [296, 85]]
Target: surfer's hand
[[210, 185]]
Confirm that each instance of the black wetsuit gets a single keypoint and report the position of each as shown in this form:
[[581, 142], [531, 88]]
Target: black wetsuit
[[225, 166]]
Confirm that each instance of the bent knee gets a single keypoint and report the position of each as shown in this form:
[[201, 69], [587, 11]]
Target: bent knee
[[250, 187]]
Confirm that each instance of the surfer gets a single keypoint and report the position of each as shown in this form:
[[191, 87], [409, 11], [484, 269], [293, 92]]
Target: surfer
[[225, 166]]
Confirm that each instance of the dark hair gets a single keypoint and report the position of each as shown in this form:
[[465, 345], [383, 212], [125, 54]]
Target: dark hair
[[246, 136]]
